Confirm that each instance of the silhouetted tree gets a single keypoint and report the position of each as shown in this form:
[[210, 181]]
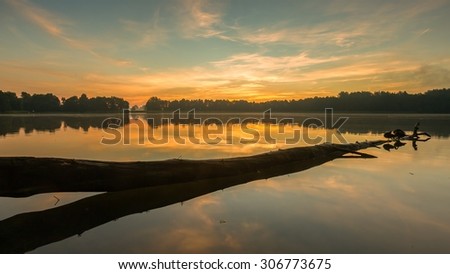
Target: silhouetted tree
[[433, 101], [83, 103], [71, 104], [8, 101], [26, 101], [45, 103], [155, 104]]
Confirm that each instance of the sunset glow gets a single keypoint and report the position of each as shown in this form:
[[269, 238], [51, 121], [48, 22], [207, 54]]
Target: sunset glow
[[252, 50]]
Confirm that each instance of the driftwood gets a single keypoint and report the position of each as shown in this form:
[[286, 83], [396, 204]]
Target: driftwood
[[25, 176], [27, 231], [398, 135]]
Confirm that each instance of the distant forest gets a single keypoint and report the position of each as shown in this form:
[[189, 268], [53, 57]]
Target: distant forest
[[432, 101], [9, 102]]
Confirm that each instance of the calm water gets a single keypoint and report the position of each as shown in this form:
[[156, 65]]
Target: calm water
[[396, 203]]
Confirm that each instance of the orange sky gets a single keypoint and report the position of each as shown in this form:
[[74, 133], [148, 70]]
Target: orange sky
[[230, 49]]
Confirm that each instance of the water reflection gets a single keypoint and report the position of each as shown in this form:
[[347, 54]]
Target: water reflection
[[396, 203], [12, 124], [27, 231], [398, 144], [357, 124]]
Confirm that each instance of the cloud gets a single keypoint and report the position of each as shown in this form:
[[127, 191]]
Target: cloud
[[416, 8], [258, 62], [256, 76], [432, 76], [149, 33], [339, 34], [423, 32], [249, 76], [357, 24], [361, 45], [56, 26], [200, 18], [44, 19]]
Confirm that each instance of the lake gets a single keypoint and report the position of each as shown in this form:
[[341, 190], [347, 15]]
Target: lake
[[398, 202]]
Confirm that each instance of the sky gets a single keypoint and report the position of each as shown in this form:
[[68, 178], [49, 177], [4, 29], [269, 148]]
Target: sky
[[255, 50]]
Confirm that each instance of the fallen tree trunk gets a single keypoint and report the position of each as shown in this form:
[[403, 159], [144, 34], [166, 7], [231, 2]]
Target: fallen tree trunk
[[25, 176], [27, 231]]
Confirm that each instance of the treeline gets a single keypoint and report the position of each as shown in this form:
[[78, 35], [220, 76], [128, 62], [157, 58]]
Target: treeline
[[9, 102], [432, 101]]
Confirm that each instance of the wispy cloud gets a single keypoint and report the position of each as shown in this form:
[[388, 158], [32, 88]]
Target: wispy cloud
[[346, 45], [360, 24], [258, 62], [201, 13], [415, 8], [340, 34], [149, 33], [200, 18], [47, 21], [432, 76], [423, 32], [56, 26], [259, 77]]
